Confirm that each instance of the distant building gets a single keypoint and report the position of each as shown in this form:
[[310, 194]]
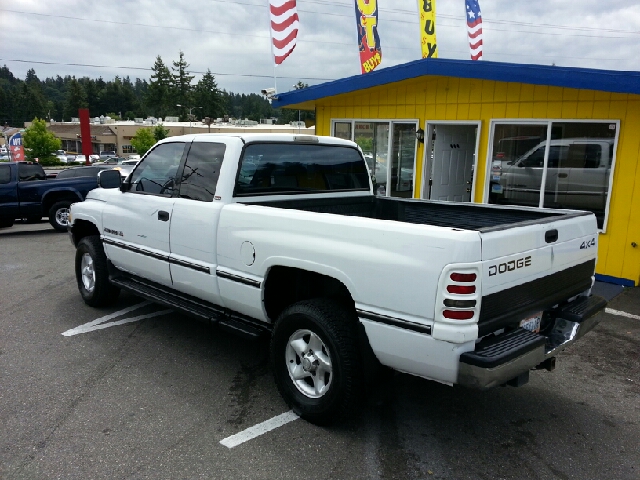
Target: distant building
[[111, 135]]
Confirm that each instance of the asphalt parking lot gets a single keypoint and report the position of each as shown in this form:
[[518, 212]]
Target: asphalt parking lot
[[136, 392]]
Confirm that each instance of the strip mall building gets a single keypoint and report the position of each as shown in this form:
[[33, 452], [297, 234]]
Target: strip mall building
[[499, 133]]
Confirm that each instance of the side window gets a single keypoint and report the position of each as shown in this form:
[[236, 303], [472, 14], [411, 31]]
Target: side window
[[201, 171], [5, 174], [28, 172], [535, 159], [68, 173], [156, 174]]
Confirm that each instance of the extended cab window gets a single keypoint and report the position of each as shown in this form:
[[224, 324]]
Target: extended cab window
[[273, 168], [156, 174], [28, 172], [5, 174], [201, 171]]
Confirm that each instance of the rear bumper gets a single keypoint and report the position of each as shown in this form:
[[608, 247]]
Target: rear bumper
[[500, 359]]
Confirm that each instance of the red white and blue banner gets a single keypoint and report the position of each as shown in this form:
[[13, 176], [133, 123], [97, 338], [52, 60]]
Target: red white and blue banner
[[427, 10], [368, 39], [284, 28], [15, 148], [474, 28]]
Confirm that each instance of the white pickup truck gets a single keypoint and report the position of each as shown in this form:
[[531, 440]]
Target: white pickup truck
[[281, 235]]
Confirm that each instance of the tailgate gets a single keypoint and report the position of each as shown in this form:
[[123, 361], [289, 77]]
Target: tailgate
[[529, 268]]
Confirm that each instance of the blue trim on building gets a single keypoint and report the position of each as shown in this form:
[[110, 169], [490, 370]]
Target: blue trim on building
[[625, 282], [570, 77]]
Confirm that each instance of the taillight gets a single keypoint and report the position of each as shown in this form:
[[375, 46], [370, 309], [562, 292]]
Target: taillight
[[458, 314], [461, 289], [463, 277], [460, 295]]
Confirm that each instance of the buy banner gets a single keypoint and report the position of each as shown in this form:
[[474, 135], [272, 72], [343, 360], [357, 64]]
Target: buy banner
[[368, 39], [427, 9]]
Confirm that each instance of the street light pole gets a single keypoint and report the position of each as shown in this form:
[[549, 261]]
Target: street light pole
[[189, 108]]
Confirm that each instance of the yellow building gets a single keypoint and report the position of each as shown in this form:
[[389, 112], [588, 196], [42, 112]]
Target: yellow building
[[501, 133]]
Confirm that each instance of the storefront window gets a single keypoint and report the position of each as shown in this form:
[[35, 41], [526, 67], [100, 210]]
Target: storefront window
[[373, 139], [342, 130], [575, 165]]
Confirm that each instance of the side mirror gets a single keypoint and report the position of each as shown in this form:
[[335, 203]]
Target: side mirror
[[109, 179]]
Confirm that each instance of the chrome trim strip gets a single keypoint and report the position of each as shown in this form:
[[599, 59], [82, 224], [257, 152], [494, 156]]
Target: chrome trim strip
[[395, 322], [141, 251], [237, 278], [193, 266], [157, 256]]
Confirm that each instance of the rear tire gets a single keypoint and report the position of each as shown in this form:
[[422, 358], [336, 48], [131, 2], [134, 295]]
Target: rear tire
[[92, 273], [6, 223], [315, 360], [59, 215]]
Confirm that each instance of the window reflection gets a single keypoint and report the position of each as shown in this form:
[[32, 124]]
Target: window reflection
[[577, 174]]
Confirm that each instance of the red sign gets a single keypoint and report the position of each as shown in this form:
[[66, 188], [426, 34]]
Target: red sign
[[85, 134]]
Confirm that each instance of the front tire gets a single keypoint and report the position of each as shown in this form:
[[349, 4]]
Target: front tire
[[315, 360], [92, 273], [59, 215]]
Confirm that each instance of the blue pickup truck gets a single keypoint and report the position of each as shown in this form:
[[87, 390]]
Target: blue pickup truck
[[25, 192]]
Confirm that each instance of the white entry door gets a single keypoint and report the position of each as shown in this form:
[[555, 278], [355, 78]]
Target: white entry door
[[453, 159]]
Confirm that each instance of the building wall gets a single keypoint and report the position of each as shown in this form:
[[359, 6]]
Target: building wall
[[446, 98]]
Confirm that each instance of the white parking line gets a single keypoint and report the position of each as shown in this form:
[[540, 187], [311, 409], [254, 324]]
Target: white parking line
[[259, 429], [611, 311], [100, 323]]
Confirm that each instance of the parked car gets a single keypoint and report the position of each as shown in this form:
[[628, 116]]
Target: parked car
[[134, 156], [577, 174], [61, 155], [25, 192], [281, 236], [107, 154]]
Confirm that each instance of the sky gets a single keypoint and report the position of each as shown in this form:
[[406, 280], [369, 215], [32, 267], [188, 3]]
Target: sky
[[231, 37]]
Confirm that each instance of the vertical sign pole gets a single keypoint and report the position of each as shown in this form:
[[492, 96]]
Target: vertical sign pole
[[85, 134]]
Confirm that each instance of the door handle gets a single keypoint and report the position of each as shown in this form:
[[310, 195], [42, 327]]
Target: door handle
[[162, 215], [562, 175]]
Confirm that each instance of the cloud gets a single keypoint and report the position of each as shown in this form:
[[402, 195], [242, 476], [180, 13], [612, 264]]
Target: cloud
[[231, 37]]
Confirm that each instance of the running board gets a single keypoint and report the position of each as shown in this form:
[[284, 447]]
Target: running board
[[226, 319]]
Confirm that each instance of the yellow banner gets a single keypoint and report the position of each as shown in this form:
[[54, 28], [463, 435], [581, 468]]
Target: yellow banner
[[427, 9]]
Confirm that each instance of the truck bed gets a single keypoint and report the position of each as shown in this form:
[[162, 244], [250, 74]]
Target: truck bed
[[478, 217]]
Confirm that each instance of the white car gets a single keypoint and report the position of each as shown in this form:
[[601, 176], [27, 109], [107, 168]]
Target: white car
[[62, 156]]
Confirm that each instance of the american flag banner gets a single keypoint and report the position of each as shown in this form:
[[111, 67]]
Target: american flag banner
[[474, 28], [284, 28]]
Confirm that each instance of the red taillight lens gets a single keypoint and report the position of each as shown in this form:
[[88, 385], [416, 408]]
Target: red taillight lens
[[461, 289], [458, 314], [463, 277], [500, 155]]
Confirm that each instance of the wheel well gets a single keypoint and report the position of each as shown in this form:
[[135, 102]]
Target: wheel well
[[83, 228], [52, 198], [285, 286]]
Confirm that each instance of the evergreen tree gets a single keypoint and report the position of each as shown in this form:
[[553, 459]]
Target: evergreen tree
[[207, 96], [76, 99], [159, 92], [182, 86]]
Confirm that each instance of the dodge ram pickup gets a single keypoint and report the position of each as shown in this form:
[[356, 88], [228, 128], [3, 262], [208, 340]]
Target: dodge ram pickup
[[25, 192], [282, 236]]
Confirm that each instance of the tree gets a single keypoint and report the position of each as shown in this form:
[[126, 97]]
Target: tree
[[159, 132], [76, 99], [159, 91], [182, 85], [40, 143], [207, 96], [143, 140]]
